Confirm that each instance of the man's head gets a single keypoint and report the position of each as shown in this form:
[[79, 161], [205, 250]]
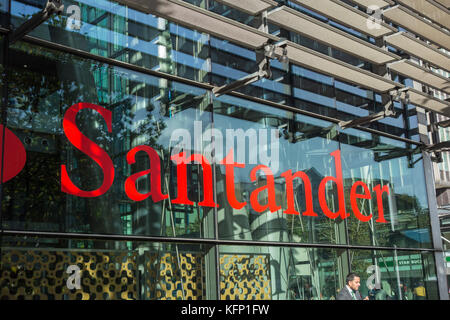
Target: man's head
[[353, 281]]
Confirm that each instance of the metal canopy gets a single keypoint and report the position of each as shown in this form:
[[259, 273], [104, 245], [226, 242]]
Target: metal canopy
[[224, 28], [252, 7], [324, 64], [298, 22], [202, 20], [418, 25], [379, 3], [445, 3], [414, 71], [430, 9], [346, 15], [428, 102], [418, 48]]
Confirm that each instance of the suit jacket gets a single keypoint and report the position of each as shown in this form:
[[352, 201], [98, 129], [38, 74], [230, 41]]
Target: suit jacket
[[344, 294]]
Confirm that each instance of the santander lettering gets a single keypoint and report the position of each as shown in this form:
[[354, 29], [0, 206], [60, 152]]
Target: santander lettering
[[100, 157]]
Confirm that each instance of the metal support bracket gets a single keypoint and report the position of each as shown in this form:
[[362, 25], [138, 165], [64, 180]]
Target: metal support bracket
[[51, 8], [438, 147], [264, 54], [388, 111], [434, 127]]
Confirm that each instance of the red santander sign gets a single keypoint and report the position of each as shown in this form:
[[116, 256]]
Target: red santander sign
[[14, 154], [99, 156]]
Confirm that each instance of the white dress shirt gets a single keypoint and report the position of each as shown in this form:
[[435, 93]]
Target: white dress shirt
[[352, 293]]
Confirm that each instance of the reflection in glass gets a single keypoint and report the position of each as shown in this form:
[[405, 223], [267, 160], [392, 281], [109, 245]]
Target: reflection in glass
[[74, 269], [227, 11], [231, 62], [396, 166], [144, 111], [302, 144], [277, 273], [4, 9], [109, 29], [402, 275]]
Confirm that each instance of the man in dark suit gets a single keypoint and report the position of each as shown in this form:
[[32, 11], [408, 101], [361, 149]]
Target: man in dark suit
[[350, 291]]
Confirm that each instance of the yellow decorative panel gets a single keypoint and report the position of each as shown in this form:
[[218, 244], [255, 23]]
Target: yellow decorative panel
[[163, 281], [245, 277], [108, 275], [41, 275]]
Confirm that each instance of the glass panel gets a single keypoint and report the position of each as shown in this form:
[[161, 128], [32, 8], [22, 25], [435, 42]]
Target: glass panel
[[269, 199], [3, 75], [231, 62], [413, 123], [324, 95], [63, 269], [391, 188], [4, 9], [147, 117], [112, 30], [277, 273], [445, 234], [401, 275], [328, 50], [313, 91]]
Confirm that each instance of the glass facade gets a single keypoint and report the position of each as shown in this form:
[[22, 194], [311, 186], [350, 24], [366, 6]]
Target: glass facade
[[105, 270], [214, 197]]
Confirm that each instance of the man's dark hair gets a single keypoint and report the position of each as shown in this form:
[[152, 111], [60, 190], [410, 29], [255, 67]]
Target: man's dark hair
[[350, 277]]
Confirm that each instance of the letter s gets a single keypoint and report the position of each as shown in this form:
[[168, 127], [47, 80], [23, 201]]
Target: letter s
[[82, 143]]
